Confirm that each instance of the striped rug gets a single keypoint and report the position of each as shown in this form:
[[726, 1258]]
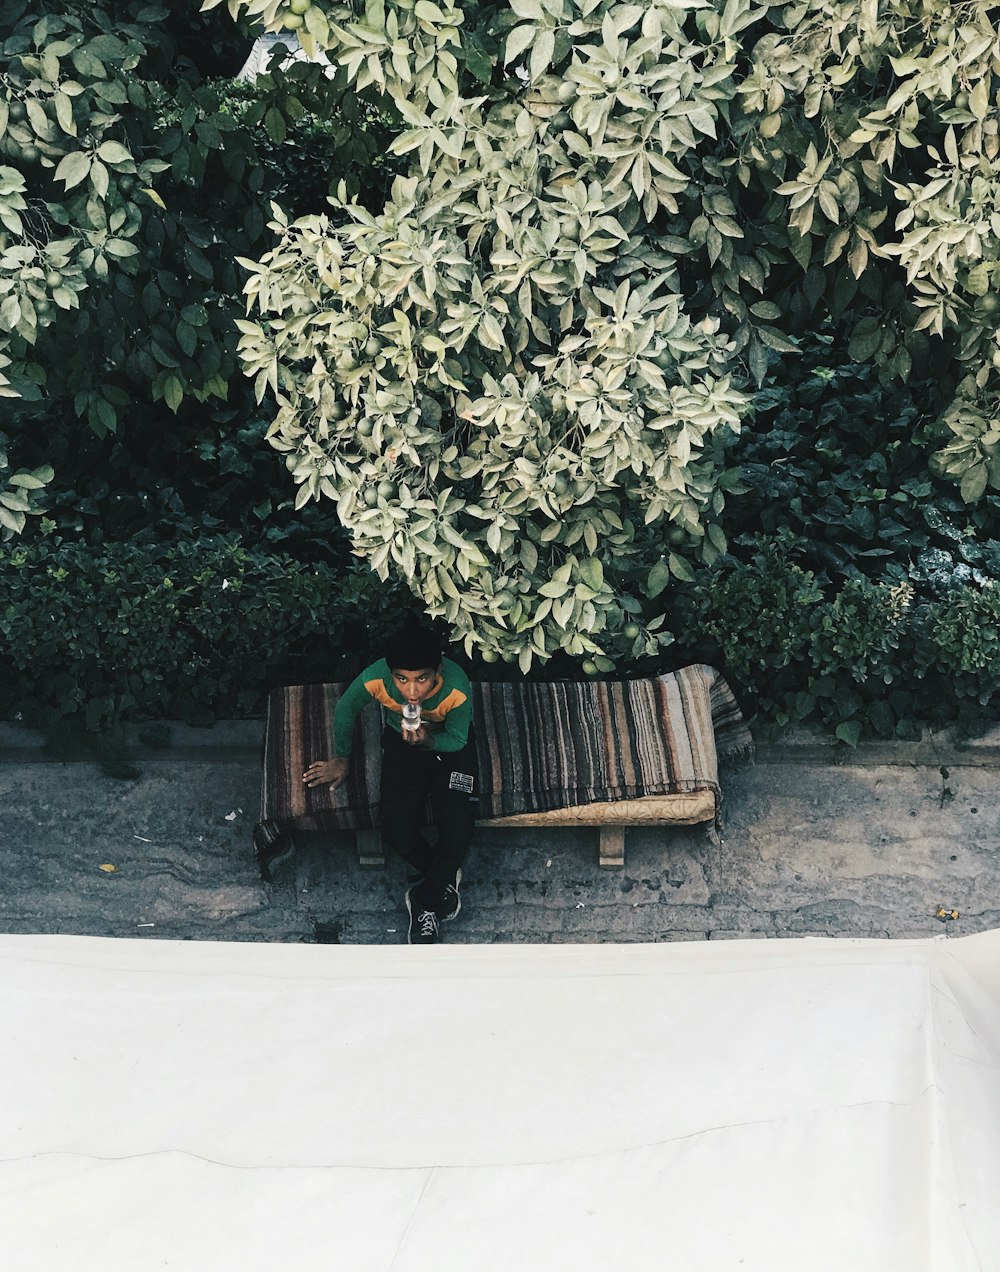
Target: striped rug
[[541, 746]]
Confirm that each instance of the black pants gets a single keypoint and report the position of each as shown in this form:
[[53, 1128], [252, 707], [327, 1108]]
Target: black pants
[[410, 776]]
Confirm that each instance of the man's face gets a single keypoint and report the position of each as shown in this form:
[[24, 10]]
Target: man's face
[[417, 685]]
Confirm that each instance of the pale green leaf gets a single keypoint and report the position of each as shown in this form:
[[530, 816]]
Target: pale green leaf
[[113, 152], [73, 168], [173, 392], [592, 573], [518, 40], [120, 248], [541, 52], [973, 484], [680, 568], [658, 578]]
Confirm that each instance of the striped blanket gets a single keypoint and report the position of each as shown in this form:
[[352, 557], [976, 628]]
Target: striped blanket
[[540, 746]]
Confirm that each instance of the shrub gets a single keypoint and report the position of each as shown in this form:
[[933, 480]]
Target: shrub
[[835, 468], [958, 646], [759, 618], [867, 658], [191, 631], [197, 630], [515, 378]]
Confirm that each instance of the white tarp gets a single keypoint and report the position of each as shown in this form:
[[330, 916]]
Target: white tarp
[[753, 1106]]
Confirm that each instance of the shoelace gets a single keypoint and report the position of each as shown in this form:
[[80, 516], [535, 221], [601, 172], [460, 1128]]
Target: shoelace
[[428, 923]]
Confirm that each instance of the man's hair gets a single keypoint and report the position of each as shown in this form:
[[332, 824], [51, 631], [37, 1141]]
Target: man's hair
[[413, 647]]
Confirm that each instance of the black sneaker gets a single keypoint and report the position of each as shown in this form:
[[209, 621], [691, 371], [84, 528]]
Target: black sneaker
[[423, 923], [452, 901]]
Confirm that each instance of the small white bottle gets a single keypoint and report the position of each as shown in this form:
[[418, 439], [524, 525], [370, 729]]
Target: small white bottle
[[411, 717]]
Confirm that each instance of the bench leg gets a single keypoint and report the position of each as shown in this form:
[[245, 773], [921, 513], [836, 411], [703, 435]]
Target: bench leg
[[611, 846], [370, 850], [273, 841]]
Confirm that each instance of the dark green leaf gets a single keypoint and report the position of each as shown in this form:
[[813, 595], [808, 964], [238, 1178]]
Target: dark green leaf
[[274, 122]]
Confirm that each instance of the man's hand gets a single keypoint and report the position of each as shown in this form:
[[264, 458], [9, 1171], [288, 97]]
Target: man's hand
[[418, 737], [327, 772]]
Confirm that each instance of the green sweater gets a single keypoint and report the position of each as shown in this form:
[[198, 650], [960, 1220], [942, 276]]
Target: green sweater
[[449, 706]]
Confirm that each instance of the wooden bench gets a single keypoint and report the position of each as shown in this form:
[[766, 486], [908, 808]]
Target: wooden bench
[[618, 738], [610, 819]]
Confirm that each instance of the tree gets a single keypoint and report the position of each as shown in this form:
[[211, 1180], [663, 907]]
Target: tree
[[133, 171], [517, 379]]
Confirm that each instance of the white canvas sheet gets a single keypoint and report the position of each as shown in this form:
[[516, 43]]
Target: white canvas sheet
[[754, 1106]]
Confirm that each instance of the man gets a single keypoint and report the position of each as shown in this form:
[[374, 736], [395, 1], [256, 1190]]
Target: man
[[435, 761]]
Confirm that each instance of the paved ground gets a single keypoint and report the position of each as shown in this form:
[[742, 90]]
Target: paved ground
[[869, 847]]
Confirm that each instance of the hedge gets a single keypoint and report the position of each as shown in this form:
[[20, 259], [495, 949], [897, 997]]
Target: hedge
[[190, 631], [870, 659], [91, 636]]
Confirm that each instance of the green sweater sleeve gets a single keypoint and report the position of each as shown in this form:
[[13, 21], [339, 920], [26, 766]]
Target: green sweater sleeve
[[454, 731], [354, 697]]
